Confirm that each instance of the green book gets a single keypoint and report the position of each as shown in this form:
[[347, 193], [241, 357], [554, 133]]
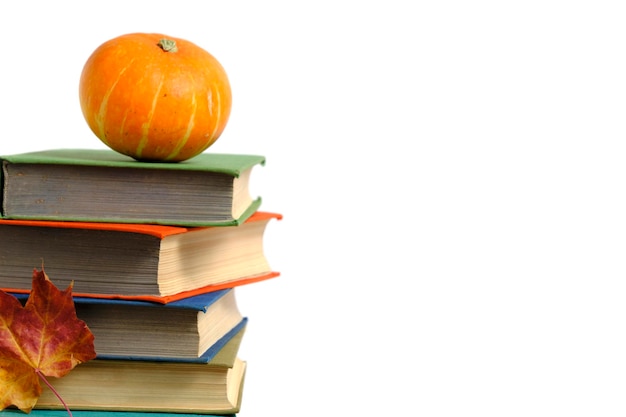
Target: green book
[[101, 185]]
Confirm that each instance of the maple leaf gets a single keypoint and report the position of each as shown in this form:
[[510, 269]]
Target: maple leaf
[[42, 338]]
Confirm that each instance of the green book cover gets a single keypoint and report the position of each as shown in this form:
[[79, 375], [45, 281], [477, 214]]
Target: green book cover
[[104, 186], [231, 164]]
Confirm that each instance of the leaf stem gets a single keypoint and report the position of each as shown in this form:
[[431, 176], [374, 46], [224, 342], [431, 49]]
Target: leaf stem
[[43, 378]]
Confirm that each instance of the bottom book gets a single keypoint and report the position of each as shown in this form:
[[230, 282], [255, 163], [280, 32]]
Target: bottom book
[[10, 412], [131, 388], [170, 387]]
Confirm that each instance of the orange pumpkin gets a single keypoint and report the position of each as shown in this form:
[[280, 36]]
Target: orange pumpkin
[[154, 97]]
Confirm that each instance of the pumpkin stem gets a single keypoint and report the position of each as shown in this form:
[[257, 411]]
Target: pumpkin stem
[[168, 45]]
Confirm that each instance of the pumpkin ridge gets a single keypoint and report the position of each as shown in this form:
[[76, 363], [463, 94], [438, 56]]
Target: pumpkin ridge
[[219, 112], [190, 125], [102, 110], [123, 123], [145, 127]]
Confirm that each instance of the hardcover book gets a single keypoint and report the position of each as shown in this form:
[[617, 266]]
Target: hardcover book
[[193, 329], [134, 261], [101, 185], [166, 387]]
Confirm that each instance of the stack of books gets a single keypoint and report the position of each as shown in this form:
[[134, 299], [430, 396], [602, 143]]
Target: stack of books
[[154, 252]]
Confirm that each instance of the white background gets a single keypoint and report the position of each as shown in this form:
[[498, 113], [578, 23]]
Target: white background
[[452, 178]]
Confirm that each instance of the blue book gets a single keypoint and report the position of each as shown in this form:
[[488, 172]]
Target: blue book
[[192, 329]]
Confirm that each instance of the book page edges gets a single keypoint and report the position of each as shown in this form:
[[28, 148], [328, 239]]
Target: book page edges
[[222, 353], [230, 403], [169, 298], [252, 208]]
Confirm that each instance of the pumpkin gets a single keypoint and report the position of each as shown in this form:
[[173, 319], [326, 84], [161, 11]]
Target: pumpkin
[[154, 97]]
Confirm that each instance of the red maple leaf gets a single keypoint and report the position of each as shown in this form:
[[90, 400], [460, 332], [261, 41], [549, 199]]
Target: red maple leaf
[[42, 338]]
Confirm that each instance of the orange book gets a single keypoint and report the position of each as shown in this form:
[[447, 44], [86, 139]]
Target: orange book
[[134, 261]]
